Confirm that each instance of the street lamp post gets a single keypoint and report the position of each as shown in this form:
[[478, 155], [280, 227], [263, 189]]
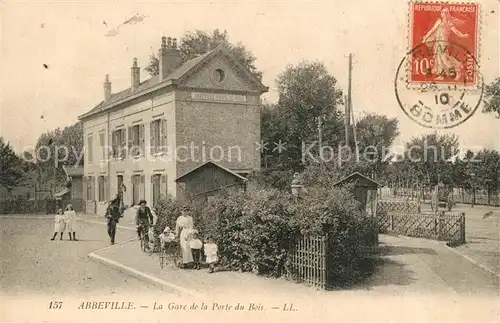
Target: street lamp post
[[296, 186], [473, 185]]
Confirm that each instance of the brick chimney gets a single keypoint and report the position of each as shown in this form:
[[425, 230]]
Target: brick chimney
[[135, 75], [169, 57], [107, 89]]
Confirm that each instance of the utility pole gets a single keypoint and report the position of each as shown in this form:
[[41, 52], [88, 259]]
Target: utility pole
[[319, 120], [348, 105], [320, 132]]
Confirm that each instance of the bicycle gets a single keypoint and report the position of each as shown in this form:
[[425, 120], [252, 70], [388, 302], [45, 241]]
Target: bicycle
[[169, 250], [142, 237]]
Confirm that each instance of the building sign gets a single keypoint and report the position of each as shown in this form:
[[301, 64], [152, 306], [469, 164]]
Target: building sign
[[218, 97]]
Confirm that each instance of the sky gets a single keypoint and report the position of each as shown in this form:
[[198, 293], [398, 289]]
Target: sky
[[69, 38]]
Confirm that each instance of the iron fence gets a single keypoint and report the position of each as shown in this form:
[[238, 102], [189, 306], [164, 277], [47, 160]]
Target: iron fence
[[445, 226]]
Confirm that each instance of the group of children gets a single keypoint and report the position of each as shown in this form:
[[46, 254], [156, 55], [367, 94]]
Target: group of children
[[209, 248], [65, 221]]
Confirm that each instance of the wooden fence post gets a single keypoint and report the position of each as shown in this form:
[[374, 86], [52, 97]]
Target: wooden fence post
[[391, 221], [462, 227], [325, 262], [440, 225]]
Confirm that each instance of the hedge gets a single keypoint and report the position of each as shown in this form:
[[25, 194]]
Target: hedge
[[256, 229]]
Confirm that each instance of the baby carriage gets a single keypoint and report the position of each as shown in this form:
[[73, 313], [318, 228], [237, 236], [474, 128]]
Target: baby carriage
[[169, 248]]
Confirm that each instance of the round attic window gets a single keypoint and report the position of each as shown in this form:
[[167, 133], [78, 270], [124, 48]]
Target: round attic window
[[218, 76]]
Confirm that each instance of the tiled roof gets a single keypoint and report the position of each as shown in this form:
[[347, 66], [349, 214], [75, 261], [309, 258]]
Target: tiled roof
[[149, 83], [180, 178], [356, 174]]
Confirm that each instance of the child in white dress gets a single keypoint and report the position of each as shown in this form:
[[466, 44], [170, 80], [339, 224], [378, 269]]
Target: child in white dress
[[211, 250], [59, 224], [70, 219], [195, 244]]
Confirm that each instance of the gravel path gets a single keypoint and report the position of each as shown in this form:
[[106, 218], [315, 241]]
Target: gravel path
[[33, 265]]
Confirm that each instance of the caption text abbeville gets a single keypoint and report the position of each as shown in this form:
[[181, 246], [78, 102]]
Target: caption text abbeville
[[173, 306]]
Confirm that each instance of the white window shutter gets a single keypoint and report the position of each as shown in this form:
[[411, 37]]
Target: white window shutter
[[163, 187], [142, 139], [85, 183], [130, 140], [152, 132], [142, 192], [123, 143], [163, 134], [106, 188]]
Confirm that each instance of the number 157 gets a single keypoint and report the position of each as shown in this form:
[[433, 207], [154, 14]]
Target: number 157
[[55, 305]]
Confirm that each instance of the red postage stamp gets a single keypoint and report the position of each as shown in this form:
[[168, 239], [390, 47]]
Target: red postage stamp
[[444, 39]]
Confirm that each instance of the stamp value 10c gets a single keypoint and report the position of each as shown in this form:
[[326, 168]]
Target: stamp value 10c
[[450, 34]]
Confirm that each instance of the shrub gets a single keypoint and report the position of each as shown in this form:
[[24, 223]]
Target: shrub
[[266, 218], [256, 229], [252, 229], [167, 211], [335, 212], [223, 220]]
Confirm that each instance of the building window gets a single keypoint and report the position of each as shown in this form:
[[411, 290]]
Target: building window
[[136, 140], [118, 143], [90, 188], [158, 136], [102, 144], [156, 182], [89, 148], [119, 184], [102, 189], [218, 76], [138, 188], [158, 188]]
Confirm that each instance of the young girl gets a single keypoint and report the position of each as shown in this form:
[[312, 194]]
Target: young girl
[[59, 224], [195, 244], [70, 219], [210, 253]]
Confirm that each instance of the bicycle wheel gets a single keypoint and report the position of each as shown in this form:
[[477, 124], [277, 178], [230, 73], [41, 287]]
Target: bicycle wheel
[[176, 256], [162, 258], [143, 243]]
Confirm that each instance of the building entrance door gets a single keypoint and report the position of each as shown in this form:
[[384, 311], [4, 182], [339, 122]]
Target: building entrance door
[[119, 183], [136, 182]]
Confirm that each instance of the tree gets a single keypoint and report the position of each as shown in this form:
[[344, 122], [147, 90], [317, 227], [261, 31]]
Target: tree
[[272, 128], [487, 170], [197, 43], [429, 154], [375, 134], [376, 131], [307, 93], [11, 172], [58, 148], [492, 98]]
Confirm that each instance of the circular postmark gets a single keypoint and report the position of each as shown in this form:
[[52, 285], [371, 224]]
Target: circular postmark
[[449, 87]]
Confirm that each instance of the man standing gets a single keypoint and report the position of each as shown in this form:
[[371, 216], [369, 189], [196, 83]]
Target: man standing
[[113, 214], [143, 219]]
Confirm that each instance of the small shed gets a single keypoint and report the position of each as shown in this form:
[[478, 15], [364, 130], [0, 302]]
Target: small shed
[[207, 180], [365, 191]]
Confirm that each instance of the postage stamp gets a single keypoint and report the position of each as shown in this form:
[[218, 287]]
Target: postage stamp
[[450, 32], [438, 83]]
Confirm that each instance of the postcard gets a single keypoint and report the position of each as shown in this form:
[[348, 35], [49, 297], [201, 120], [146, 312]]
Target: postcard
[[250, 161]]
